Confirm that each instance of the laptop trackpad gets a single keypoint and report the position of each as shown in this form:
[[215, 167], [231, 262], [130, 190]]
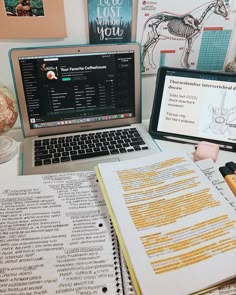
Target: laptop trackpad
[[89, 166]]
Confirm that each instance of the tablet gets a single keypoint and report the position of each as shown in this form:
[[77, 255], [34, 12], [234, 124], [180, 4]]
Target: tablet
[[191, 106]]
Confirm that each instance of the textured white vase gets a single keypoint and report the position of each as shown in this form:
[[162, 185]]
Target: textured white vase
[[8, 117]]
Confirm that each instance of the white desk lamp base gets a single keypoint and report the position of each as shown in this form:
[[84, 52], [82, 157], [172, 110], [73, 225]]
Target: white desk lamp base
[[8, 149]]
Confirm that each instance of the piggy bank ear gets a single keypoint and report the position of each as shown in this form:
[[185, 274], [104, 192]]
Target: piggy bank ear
[[206, 150], [210, 108]]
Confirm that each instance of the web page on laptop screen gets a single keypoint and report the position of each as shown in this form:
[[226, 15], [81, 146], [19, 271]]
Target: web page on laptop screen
[[199, 106], [72, 89]]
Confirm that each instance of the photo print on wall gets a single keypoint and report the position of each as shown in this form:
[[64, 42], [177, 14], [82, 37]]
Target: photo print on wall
[[24, 7], [110, 21]]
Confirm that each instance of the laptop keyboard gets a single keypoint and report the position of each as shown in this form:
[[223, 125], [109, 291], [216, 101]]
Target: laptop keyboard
[[76, 147]]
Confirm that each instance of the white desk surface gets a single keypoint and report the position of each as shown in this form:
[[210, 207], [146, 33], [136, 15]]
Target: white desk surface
[[12, 167]]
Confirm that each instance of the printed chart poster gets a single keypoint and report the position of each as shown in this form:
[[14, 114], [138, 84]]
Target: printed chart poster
[[194, 34], [110, 21]]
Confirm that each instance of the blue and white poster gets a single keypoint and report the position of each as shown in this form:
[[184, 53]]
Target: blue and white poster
[[110, 21]]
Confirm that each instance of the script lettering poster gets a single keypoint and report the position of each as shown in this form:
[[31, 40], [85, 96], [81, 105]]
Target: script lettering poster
[[195, 34], [110, 21]]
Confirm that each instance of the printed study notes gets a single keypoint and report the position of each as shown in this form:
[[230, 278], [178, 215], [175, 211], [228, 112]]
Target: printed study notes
[[176, 230], [56, 237]]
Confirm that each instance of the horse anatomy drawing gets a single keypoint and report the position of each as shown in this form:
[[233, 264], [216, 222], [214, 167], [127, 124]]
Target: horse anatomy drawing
[[165, 25]]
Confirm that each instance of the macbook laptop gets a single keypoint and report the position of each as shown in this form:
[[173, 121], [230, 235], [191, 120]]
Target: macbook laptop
[[79, 105]]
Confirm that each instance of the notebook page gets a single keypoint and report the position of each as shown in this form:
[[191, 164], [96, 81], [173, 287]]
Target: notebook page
[[57, 237]]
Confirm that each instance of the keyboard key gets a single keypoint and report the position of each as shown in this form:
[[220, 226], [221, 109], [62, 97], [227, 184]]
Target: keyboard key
[[122, 150], [130, 150], [88, 150], [91, 145], [39, 153], [67, 149], [52, 151], [60, 150], [90, 155], [113, 152], [125, 144], [50, 147], [37, 143], [43, 157], [73, 152], [39, 148], [136, 139], [57, 146], [81, 152], [97, 149], [137, 143], [65, 159]]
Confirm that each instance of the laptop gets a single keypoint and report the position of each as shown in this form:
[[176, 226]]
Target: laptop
[[191, 106], [79, 106]]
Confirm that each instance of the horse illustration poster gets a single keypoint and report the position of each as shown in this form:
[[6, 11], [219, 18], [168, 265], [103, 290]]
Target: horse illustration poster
[[193, 34], [110, 21]]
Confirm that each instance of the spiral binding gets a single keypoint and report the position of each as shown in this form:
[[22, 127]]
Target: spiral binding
[[116, 258], [127, 283], [123, 280]]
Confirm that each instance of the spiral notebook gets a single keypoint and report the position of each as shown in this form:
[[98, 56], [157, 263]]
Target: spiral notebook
[[57, 237]]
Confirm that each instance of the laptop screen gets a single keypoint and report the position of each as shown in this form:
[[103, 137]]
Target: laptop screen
[[98, 85], [71, 89], [195, 105]]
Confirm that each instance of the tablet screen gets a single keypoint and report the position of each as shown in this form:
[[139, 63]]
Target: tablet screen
[[196, 105]]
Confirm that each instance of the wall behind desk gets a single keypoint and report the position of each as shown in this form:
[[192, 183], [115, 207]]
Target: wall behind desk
[[77, 33]]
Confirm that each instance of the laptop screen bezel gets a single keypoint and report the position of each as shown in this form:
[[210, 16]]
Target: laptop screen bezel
[[16, 53], [158, 100]]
